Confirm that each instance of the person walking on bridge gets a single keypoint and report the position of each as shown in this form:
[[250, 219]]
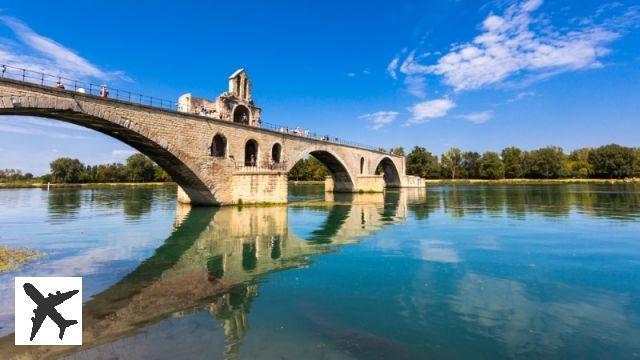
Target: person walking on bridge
[[104, 92]]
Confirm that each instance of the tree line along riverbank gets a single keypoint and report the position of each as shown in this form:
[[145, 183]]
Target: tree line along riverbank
[[548, 163], [512, 165]]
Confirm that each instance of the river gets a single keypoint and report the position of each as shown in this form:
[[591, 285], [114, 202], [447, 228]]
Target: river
[[450, 272]]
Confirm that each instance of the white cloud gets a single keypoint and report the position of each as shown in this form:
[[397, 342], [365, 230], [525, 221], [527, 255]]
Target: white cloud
[[119, 155], [416, 86], [391, 68], [122, 152], [29, 125], [18, 129], [50, 123], [518, 45], [411, 66], [478, 117], [522, 95], [380, 118], [430, 109], [39, 53]]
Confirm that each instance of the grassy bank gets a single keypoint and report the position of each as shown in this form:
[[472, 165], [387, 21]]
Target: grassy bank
[[529, 181], [302, 182], [37, 184], [11, 259]]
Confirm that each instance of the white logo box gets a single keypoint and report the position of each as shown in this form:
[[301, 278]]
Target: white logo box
[[70, 309]]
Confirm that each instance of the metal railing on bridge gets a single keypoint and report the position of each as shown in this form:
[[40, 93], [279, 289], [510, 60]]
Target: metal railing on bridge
[[66, 84], [83, 87], [260, 166]]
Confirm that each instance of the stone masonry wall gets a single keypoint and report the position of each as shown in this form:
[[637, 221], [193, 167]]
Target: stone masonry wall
[[253, 188], [181, 143]]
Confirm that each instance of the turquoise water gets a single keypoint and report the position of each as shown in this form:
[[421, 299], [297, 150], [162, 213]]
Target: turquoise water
[[451, 272]]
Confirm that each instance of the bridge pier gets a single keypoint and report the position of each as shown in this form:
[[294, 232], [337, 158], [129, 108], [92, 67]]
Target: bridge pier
[[370, 183], [363, 183], [246, 187], [259, 187]]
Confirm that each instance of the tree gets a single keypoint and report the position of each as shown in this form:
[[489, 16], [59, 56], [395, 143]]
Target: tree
[[309, 169], [469, 165], [514, 162], [317, 170], [11, 174], [398, 151], [636, 165], [66, 170], [577, 163], [161, 175], [111, 173], [451, 163], [546, 163], [491, 166], [140, 168], [422, 163], [612, 161]]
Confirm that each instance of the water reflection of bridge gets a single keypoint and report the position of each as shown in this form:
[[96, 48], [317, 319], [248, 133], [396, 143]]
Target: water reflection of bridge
[[212, 261]]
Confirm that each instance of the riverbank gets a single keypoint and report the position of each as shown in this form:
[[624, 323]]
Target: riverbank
[[506, 181], [19, 185], [11, 259], [529, 181], [303, 182]]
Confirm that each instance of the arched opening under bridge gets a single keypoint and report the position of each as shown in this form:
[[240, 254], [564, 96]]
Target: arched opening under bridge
[[388, 169], [316, 165], [176, 168]]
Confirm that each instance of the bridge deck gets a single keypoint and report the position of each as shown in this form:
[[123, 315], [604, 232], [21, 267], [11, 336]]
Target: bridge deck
[[47, 82]]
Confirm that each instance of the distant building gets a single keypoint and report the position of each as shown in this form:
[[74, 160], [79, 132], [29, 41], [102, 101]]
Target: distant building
[[235, 105]]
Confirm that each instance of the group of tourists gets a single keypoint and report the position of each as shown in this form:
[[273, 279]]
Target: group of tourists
[[297, 131], [305, 133], [327, 138], [104, 90]]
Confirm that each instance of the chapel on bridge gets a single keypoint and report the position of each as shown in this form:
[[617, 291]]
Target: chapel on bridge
[[235, 105]]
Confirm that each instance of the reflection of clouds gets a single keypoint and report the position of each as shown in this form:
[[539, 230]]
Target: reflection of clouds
[[487, 242], [502, 311], [437, 251], [95, 261], [431, 250]]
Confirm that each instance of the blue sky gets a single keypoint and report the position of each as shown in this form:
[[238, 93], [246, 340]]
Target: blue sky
[[476, 75]]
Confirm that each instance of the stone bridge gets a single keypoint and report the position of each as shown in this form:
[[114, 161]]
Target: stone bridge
[[218, 151]]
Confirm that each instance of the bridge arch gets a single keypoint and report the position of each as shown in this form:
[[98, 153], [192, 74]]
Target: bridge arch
[[219, 146], [251, 153], [276, 153], [342, 177], [177, 163], [389, 171], [241, 115]]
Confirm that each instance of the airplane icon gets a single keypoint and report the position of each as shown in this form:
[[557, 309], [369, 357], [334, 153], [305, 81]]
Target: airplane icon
[[47, 307]]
